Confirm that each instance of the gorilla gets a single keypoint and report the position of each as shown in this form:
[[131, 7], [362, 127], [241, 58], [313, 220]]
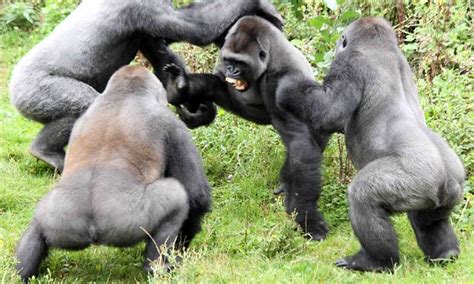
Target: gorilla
[[131, 171], [254, 62], [403, 166], [60, 77]]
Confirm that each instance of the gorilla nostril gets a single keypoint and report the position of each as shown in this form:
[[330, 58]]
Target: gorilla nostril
[[231, 70]]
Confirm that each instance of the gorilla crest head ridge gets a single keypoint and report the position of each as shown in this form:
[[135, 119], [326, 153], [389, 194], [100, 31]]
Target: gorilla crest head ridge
[[368, 32], [136, 80]]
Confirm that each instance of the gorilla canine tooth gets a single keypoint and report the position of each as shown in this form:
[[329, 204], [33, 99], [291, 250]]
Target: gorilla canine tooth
[[237, 84]]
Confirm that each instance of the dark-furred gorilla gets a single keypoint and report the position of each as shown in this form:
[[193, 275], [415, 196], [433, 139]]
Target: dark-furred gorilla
[[60, 77], [254, 60], [131, 169], [403, 166]]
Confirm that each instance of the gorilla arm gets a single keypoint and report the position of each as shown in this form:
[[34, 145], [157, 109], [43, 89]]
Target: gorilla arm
[[158, 53], [326, 108], [184, 164], [195, 89], [203, 23]]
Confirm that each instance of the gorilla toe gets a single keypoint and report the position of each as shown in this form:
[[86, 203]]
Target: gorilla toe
[[52, 158], [445, 257], [362, 262]]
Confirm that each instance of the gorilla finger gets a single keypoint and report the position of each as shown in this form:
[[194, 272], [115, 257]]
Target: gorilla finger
[[172, 69], [279, 191], [341, 262]]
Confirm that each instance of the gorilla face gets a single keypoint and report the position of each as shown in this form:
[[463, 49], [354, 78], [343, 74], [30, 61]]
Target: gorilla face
[[244, 56]]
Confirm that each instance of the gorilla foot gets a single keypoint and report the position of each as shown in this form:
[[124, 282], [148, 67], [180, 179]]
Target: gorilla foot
[[444, 258], [362, 262], [164, 266], [315, 228], [317, 231], [55, 159]]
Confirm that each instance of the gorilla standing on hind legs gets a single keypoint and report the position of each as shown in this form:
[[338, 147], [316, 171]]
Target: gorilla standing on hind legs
[[131, 164], [403, 166], [61, 76], [253, 60]]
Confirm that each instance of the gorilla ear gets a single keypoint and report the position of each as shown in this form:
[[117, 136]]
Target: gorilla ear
[[264, 47]]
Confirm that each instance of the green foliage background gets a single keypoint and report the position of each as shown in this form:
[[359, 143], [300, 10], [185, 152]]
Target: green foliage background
[[248, 237]]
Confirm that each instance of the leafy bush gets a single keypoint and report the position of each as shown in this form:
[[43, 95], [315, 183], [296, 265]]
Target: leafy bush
[[20, 15], [54, 11]]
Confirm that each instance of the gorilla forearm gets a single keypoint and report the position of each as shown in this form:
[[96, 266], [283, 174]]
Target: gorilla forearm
[[159, 54], [209, 87], [326, 107]]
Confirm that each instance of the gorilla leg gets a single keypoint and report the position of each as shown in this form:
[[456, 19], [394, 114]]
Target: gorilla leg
[[304, 184], [371, 225], [57, 103], [31, 250], [49, 145], [380, 188], [434, 234], [172, 197]]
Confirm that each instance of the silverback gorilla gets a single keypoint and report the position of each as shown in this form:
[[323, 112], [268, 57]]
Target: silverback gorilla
[[403, 166], [60, 77], [254, 60], [131, 167]]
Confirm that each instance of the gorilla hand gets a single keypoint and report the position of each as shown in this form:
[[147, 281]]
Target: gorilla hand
[[177, 89], [205, 115], [268, 12]]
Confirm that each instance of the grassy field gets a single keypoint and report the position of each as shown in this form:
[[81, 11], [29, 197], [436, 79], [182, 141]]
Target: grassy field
[[247, 238]]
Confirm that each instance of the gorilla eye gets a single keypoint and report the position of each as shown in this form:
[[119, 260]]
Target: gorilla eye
[[344, 41], [262, 55]]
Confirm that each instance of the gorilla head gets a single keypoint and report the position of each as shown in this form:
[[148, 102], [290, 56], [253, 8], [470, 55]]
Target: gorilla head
[[367, 32], [138, 81], [244, 56]]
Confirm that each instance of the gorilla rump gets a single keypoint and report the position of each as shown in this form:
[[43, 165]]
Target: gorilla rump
[[131, 167], [60, 77], [403, 166], [256, 61]]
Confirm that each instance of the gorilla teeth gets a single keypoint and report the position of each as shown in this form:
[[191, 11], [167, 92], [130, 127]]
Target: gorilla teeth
[[238, 84], [230, 80]]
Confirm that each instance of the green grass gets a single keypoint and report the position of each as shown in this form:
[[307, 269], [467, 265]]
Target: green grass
[[247, 238]]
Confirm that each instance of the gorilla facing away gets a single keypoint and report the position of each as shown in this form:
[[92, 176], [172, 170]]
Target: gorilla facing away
[[61, 76], [254, 62], [403, 166], [131, 168]]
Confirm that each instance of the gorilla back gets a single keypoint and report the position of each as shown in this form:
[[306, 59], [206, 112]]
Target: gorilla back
[[61, 76], [124, 177], [403, 166]]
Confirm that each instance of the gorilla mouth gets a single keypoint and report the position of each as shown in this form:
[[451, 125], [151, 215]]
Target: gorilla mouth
[[239, 85]]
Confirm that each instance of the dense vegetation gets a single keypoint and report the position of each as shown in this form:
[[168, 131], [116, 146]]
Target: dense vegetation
[[248, 237]]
